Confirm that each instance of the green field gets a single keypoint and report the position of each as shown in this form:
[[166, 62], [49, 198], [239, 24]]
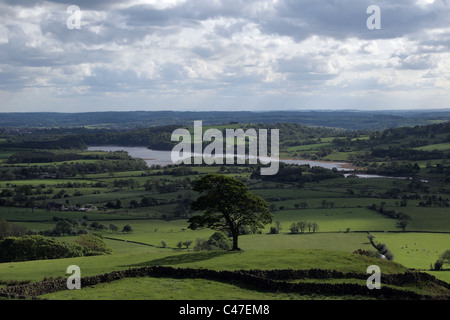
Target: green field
[[438, 146], [415, 250], [194, 289], [171, 289], [246, 260], [338, 205], [308, 147]]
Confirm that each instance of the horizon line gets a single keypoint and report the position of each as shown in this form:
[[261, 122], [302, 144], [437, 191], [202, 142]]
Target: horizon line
[[237, 111]]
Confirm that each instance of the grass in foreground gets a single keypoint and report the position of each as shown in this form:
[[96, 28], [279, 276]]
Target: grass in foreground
[[178, 289], [158, 288], [141, 256]]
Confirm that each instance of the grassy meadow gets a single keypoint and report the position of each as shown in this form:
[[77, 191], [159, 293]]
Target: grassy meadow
[[338, 206]]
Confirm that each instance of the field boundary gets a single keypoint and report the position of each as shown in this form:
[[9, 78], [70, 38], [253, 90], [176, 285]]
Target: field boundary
[[265, 280], [131, 241]]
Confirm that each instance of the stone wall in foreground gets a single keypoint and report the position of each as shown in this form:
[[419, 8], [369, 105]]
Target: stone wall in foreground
[[270, 280]]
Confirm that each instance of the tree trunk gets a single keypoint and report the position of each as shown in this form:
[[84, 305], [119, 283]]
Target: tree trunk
[[235, 241]]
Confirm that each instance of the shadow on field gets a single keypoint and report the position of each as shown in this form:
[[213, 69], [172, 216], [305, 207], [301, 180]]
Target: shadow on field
[[181, 258]]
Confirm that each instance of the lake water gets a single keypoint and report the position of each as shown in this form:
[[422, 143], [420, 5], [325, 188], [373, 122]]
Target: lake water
[[163, 158], [151, 157]]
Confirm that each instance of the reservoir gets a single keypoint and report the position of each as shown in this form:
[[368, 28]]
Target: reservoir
[[163, 158]]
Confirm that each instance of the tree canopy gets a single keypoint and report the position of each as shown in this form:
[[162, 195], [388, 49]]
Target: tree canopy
[[227, 206]]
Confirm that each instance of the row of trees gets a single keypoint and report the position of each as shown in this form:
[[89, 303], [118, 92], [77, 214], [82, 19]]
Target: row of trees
[[43, 142], [433, 201], [381, 247], [66, 170], [217, 241], [163, 186], [160, 185], [288, 173], [71, 227], [403, 220], [42, 157], [296, 227], [302, 226], [394, 168]]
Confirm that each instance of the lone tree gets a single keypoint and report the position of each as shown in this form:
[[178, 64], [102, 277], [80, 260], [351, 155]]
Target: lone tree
[[227, 205], [64, 227], [113, 228], [127, 228], [446, 256], [403, 221]]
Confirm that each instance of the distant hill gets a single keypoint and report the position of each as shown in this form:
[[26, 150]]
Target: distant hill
[[346, 119]]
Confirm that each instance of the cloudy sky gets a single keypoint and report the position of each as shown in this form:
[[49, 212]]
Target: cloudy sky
[[223, 55]]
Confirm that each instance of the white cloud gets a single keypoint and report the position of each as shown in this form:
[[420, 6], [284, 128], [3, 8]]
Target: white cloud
[[222, 54], [4, 37]]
